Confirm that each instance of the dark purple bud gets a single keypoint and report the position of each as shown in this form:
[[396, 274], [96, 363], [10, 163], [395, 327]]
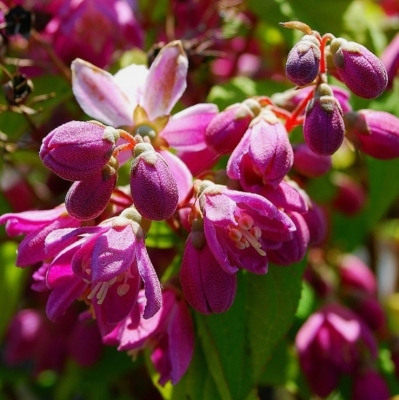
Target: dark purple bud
[[206, 286], [324, 127], [303, 61], [228, 127], [309, 163], [78, 150], [369, 385], [89, 198], [317, 224], [361, 71], [350, 197], [154, 190], [375, 133]]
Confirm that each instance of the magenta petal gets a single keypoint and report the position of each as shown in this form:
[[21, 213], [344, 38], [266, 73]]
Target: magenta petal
[[99, 95], [181, 341], [166, 80], [186, 129], [152, 286]]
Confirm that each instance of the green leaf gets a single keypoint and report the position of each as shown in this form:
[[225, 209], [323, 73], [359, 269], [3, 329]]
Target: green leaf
[[12, 283], [161, 236]]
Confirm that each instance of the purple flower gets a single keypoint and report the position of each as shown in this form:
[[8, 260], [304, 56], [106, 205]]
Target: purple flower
[[390, 59], [332, 342], [206, 286], [78, 150], [36, 225], [112, 258], [361, 71], [170, 334], [368, 384], [375, 133], [303, 61], [323, 127], [309, 163], [264, 154], [241, 227], [154, 190]]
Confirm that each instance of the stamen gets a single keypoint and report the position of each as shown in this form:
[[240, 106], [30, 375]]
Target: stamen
[[123, 289]]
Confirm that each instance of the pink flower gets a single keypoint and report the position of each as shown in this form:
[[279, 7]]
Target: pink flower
[[375, 133], [264, 154], [169, 334], [206, 286], [112, 258], [36, 225], [356, 65], [309, 163], [332, 342], [241, 227]]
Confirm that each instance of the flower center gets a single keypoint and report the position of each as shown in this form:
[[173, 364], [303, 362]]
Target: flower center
[[100, 289], [246, 234]]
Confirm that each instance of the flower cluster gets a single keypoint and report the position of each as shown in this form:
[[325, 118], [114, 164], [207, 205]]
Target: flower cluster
[[230, 183]]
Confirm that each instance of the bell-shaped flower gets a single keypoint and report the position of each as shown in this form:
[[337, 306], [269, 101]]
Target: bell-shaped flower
[[112, 258], [78, 150], [153, 188], [88, 198], [303, 61], [375, 133], [226, 129], [361, 71], [264, 155], [241, 227], [332, 342], [169, 334], [293, 250], [368, 384], [390, 59], [206, 286], [316, 221], [324, 127], [36, 225]]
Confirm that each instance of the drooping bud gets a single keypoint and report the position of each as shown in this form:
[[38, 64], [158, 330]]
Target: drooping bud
[[309, 163], [369, 385], [154, 190], [324, 127], [87, 199], [78, 150], [303, 61], [361, 71], [228, 127], [375, 133]]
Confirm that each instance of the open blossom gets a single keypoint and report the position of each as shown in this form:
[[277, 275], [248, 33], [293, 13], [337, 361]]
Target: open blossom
[[113, 260], [169, 334], [240, 228], [36, 225]]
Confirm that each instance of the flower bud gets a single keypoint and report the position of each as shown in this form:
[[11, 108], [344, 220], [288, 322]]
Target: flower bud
[[350, 197], [309, 163], [375, 133], [361, 71], [369, 385], [154, 190], [228, 127], [78, 150], [324, 127], [303, 61], [88, 199]]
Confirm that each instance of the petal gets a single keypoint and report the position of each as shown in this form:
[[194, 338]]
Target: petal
[[166, 80], [152, 285], [186, 129], [99, 94]]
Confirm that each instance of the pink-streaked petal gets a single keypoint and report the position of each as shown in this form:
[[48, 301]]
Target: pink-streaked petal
[[198, 161], [186, 129], [166, 80], [99, 94], [307, 333], [152, 286], [180, 172], [131, 81]]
